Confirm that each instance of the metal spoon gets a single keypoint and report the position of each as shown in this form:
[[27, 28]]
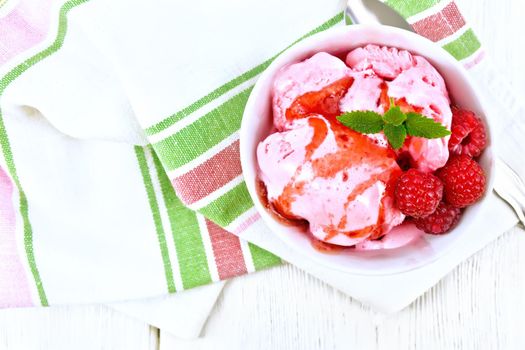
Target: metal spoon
[[373, 12]]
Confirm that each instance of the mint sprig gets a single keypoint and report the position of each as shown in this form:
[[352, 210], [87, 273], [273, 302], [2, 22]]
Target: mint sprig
[[395, 134], [365, 122], [395, 124], [419, 125], [394, 116]]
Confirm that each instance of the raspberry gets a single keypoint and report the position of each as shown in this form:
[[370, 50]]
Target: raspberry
[[440, 221], [468, 133], [463, 181], [418, 194]]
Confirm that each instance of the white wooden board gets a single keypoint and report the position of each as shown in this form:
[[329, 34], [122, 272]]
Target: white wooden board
[[480, 305]]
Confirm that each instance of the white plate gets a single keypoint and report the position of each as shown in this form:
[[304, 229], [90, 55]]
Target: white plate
[[257, 124]]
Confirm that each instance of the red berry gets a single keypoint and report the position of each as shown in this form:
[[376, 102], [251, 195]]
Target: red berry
[[463, 180], [418, 194], [440, 221], [468, 133]]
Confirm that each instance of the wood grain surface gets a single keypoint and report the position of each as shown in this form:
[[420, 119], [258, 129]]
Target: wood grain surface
[[479, 305]]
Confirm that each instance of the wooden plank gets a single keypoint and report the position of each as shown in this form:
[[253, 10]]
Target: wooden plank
[[73, 327], [478, 306]]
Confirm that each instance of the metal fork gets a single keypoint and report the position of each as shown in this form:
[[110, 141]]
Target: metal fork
[[510, 187]]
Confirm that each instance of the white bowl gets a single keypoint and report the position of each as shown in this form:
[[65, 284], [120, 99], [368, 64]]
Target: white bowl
[[257, 125]]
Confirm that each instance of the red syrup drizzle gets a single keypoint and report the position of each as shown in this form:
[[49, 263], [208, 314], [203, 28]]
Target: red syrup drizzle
[[262, 192], [353, 148], [324, 101], [384, 100]]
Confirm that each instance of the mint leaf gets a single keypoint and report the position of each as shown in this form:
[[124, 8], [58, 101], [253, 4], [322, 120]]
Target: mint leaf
[[366, 122], [395, 125], [395, 135], [394, 116], [419, 125]]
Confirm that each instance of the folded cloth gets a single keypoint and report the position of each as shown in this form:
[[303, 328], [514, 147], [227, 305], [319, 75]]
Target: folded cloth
[[158, 219], [86, 212], [182, 315]]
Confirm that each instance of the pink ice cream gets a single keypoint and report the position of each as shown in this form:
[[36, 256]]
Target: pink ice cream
[[409, 79], [338, 180], [334, 178], [312, 74]]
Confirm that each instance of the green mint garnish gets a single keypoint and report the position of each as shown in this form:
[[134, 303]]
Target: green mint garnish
[[365, 122], [419, 125], [395, 124], [395, 134], [394, 116]]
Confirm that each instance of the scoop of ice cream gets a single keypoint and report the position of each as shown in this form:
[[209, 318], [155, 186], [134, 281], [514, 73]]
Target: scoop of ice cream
[[295, 80], [413, 83], [364, 94], [423, 88], [386, 62], [337, 179], [399, 236]]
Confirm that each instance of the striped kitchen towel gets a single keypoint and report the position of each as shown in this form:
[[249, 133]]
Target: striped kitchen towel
[[119, 129], [87, 213]]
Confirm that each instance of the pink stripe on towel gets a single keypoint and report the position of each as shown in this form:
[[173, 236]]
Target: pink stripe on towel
[[14, 285], [24, 27]]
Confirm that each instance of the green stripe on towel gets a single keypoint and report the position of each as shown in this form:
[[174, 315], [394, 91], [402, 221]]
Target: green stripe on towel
[[408, 8], [155, 212], [262, 258], [225, 209], [464, 46], [191, 255], [195, 139]]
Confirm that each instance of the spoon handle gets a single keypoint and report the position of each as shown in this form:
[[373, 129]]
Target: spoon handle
[[510, 187], [357, 13]]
